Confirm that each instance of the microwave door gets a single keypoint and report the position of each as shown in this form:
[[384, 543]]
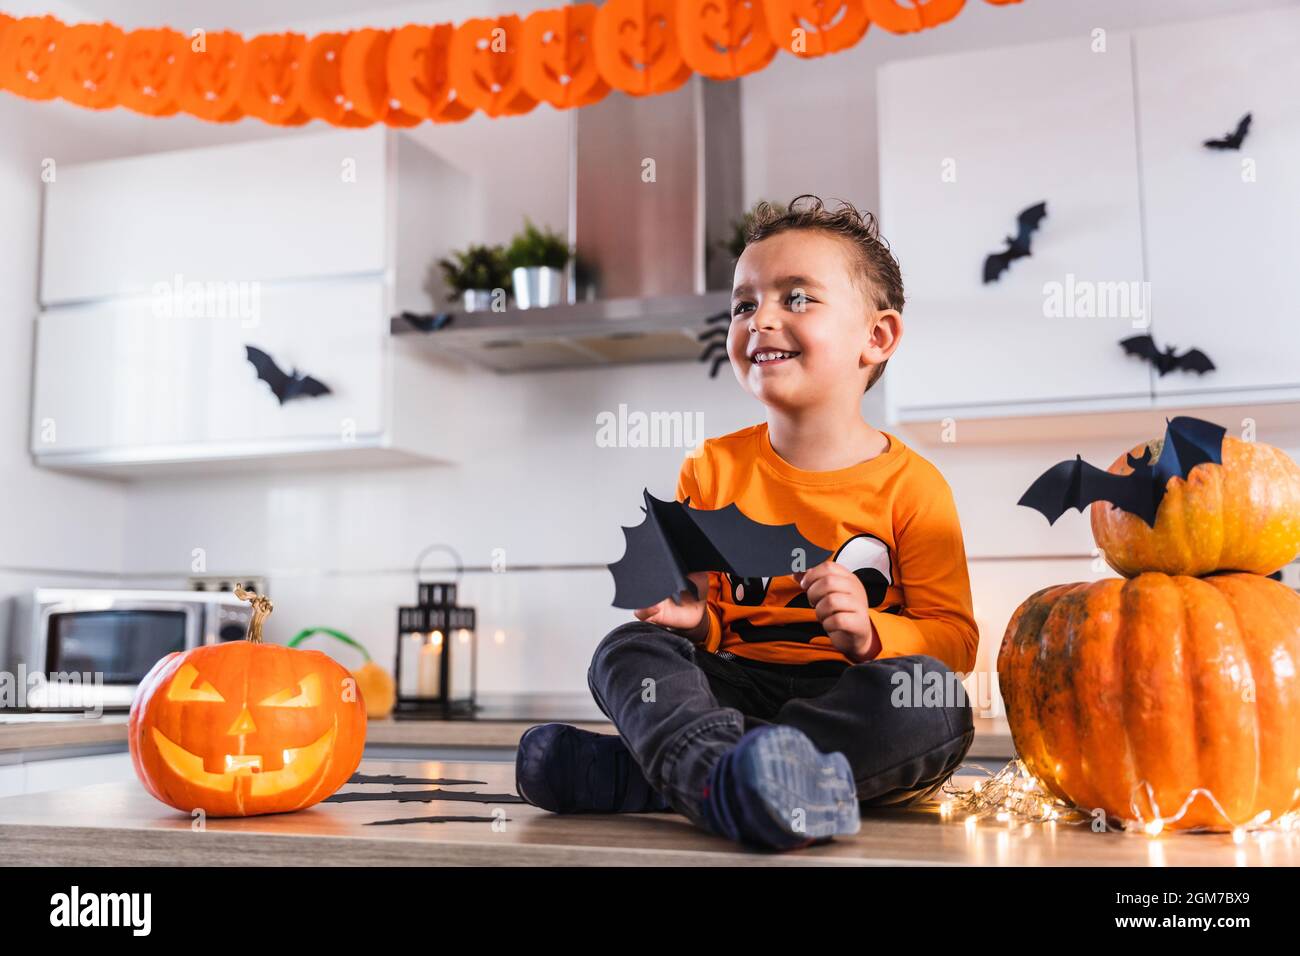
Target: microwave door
[[95, 658]]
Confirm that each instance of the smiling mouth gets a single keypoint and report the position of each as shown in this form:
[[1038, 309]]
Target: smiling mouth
[[300, 765], [771, 357]]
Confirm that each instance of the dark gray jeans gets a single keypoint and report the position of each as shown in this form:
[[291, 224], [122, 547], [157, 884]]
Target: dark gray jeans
[[678, 708]]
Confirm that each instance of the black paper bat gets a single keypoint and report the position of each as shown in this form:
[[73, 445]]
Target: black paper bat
[[285, 386], [675, 540], [1017, 245], [1076, 484], [1234, 139], [719, 343], [1166, 361]]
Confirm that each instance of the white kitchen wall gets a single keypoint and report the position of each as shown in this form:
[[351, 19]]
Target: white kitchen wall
[[337, 546]]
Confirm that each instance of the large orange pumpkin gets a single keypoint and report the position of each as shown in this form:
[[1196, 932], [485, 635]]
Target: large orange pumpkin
[[245, 728], [1242, 515], [1127, 691]]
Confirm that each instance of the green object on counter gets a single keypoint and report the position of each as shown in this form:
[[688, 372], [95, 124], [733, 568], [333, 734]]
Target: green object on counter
[[308, 632]]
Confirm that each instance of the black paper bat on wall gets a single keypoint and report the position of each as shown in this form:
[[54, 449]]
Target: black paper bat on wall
[[718, 335], [1018, 245], [675, 540], [286, 386], [1234, 139], [1188, 442], [1166, 361]]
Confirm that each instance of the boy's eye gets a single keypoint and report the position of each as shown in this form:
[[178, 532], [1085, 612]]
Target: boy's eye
[[740, 307]]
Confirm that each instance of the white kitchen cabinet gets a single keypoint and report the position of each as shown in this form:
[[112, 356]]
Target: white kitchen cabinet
[[1223, 226], [159, 270], [966, 143], [63, 773]]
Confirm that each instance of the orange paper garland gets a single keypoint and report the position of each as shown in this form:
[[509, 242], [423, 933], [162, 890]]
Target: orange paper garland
[[569, 57]]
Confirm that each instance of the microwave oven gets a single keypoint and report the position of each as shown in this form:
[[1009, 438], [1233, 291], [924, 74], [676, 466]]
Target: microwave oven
[[92, 647]]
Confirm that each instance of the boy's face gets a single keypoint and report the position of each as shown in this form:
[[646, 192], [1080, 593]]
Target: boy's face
[[794, 293]]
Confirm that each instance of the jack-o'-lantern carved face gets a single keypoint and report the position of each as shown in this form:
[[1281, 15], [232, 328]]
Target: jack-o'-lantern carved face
[[246, 728]]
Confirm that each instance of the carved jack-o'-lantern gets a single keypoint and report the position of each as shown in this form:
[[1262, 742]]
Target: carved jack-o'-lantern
[[246, 728]]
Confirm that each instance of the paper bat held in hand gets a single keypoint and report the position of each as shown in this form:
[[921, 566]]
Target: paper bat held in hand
[[1018, 246], [286, 386], [1166, 360], [1076, 484], [676, 540]]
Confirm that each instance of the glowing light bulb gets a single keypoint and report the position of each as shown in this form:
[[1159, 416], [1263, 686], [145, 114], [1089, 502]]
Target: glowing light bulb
[[1154, 827]]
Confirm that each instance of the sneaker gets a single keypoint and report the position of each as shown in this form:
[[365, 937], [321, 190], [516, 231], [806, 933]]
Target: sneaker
[[565, 769], [776, 790]]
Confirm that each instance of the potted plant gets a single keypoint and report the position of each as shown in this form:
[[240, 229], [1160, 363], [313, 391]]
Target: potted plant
[[537, 258], [473, 275]]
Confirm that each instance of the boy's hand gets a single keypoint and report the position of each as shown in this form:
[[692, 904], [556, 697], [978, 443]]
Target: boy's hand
[[687, 617], [840, 601]]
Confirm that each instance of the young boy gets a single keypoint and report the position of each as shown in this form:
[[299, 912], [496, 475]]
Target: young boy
[[768, 711]]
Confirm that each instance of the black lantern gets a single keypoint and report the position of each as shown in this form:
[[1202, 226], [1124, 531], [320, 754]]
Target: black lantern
[[437, 652]]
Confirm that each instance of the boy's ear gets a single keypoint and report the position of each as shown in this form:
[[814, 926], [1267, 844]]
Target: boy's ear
[[883, 337]]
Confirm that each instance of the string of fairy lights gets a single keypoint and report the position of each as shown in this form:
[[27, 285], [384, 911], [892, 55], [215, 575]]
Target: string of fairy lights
[[1013, 795]]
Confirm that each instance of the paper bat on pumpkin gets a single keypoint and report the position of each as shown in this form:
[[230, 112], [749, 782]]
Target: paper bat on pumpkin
[[1188, 442], [286, 386], [1166, 361], [1234, 139], [676, 540], [1018, 245]]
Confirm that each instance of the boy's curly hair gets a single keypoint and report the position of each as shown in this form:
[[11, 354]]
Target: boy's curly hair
[[877, 272]]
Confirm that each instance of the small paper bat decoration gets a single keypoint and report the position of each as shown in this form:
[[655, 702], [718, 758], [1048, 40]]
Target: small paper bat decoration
[[285, 386], [1076, 484], [1193, 360], [1018, 245], [719, 343], [1234, 139], [675, 540]]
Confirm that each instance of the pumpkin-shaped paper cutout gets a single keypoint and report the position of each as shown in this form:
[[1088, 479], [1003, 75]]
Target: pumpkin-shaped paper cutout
[[245, 728], [813, 28], [89, 64], [909, 16], [212, 77], [724, 39], [150, 81], [270, 90], [320, 83], [485, 66], [419, 73], [29, 55], [364, 72], [557, 58], [636, 46]]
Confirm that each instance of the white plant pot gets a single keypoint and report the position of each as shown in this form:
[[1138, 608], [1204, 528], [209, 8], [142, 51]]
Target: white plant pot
[[537, 287], [477, 300]]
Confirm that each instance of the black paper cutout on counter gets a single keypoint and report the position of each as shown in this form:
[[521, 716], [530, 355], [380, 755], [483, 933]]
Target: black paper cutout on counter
[[428, 323], [393, 778], [285, 386], [1164, 360], [675, 540], [719, 343], [1188, 442], [398, 821], [422, 796], [1232, 140], [1018, 246]]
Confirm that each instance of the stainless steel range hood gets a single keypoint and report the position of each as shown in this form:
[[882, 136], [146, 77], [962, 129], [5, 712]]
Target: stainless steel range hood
[[655, 187]]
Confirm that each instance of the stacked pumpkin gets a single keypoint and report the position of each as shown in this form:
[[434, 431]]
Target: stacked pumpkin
[[1171, 695]]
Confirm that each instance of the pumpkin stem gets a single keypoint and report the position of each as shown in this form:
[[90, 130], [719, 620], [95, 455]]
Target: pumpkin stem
[[262, 606], [304, 634]]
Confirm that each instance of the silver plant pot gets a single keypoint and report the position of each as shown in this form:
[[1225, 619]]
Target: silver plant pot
[[537, 287], [476, 300]]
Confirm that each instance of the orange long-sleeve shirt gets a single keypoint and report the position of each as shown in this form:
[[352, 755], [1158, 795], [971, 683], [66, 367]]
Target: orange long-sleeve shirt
[[891, 520]]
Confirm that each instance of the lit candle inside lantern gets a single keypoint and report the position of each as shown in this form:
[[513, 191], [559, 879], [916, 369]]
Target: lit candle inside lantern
[[430, 666]]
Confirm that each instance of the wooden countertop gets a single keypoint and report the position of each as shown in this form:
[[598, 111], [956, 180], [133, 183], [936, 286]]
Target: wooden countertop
[[120, 824], [23, 732]]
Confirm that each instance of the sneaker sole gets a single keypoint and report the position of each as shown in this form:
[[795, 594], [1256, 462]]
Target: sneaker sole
[[792, 776]]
